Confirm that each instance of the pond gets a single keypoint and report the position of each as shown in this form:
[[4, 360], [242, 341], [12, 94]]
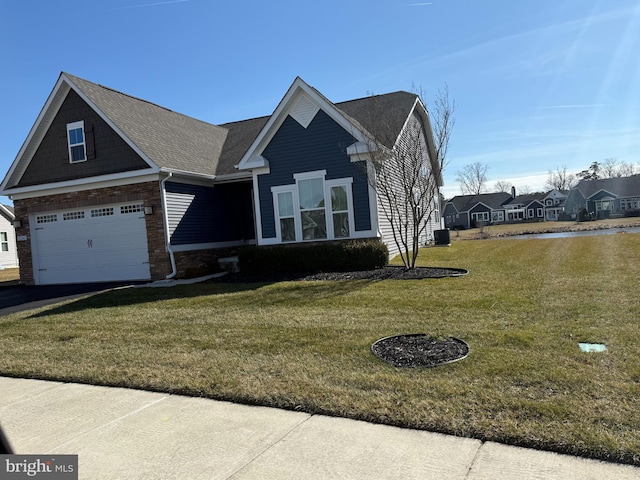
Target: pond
[[585, 233]]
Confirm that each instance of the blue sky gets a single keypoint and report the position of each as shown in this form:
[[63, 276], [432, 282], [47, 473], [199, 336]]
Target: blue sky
[[537, 84]]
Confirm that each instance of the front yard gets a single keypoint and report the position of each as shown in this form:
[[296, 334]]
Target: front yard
[[523, 309]]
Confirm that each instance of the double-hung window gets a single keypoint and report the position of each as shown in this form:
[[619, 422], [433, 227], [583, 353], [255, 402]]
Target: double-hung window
[[313, 208], [76, 142], [4, 241]]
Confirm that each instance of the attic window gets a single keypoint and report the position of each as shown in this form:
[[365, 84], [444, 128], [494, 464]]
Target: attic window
[[76, 141]]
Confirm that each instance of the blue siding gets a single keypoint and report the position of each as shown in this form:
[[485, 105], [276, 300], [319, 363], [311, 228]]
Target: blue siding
[[200, 214], [321, 146]]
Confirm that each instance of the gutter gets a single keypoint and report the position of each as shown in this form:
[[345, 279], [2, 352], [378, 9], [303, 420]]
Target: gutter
[[165, 221]]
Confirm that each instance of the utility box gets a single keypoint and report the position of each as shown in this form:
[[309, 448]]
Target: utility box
[[442, 237]]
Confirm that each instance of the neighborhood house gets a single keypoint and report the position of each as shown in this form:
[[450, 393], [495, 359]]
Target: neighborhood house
[[109, 187], [589, 199]]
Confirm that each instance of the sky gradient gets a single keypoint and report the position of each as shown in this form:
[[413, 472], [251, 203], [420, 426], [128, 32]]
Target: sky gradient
[[537, 85]]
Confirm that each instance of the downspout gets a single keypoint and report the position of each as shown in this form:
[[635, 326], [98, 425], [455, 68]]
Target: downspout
[[165, 221]]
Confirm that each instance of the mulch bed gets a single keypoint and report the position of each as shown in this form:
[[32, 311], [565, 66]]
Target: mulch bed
[[419, 350], [386, 273]]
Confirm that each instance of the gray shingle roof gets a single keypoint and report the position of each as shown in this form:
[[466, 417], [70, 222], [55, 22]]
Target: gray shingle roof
[[169, 139], [495, 201], [621, 187], [178, 142]]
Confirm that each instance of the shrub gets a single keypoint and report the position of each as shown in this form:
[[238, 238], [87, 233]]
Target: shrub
[[312, 258]]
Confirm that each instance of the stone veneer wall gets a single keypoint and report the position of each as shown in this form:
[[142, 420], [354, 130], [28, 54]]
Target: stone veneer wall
[[148, 193]]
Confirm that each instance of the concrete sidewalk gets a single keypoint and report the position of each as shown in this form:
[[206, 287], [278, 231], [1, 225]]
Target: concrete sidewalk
[[130, 434]]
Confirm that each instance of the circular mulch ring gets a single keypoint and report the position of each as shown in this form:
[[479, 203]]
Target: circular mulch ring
[[419, 350]]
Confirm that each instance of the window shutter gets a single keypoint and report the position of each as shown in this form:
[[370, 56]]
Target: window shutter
[[89, 141]]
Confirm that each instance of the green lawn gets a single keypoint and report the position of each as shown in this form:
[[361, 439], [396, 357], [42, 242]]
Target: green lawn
[[523, 308]]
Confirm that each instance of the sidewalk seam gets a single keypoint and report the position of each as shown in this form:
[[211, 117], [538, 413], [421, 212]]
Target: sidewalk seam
[[269, 447], [473, 460]]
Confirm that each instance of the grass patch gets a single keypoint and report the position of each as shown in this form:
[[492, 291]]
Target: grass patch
[[9, 276], [523, 309]]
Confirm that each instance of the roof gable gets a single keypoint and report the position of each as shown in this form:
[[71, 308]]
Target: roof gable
[[301, 102], [162, 138]]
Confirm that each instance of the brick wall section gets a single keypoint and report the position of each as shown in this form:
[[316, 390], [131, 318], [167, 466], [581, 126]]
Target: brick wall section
[[148, 193]]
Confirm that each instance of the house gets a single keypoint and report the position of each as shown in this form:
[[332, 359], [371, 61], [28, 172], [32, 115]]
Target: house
[[605, 197], [108, 187], [8, 251], [467, 211], [554, 203], [528, 207]]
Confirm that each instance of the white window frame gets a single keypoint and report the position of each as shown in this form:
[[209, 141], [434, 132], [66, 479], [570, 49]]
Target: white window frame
[[4, 241], [497, 216], [71, 127], [292, 189], [485, 216], [540, 212]]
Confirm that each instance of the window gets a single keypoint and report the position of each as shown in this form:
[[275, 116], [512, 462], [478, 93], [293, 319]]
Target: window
[[73, 216], [313, 208], [286, 215], [540, 214], [102, 212], [340, 211], [76, 141], [4, 241], [312, 211], [497, 216], [530, 213], [480, 216]]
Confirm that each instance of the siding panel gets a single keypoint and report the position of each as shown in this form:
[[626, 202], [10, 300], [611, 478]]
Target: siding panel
[[198, 214]]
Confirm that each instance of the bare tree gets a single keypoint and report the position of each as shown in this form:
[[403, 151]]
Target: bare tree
[[626, 169], [609, 168], [525, 190], [407, 172], [560, 179], [472, 178], [502, 186], [612, 168]]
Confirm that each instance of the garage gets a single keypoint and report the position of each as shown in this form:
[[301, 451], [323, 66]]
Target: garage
[[92, 244]]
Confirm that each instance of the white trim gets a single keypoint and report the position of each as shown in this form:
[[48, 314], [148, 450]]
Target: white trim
[[309, 175], [208, 246], [115, 180], [256, 203]]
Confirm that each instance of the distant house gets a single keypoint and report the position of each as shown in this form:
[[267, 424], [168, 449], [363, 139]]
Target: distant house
[[525, 207], [8, 250], [554, 203], [605, 198], [109, 187], [467, 211]]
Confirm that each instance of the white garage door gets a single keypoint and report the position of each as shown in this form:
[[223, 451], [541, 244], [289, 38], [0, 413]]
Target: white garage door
[[95, 244]]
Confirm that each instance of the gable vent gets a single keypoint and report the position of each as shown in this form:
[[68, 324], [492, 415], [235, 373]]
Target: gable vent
[[304, 110]]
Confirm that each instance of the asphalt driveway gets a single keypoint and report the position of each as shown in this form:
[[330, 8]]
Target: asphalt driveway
[[16, 298]]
